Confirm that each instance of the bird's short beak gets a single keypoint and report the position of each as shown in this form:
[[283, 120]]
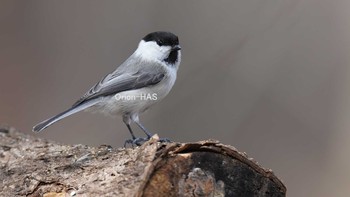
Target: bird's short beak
[[176, 48]]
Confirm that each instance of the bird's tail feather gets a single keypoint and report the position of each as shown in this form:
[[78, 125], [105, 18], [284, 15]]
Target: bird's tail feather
[[46, 123]]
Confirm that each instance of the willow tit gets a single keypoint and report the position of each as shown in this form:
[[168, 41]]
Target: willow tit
[[145, 78]]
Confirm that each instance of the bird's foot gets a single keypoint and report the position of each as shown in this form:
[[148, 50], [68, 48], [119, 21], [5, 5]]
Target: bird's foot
[[140, 141], [135, 141], [164, 140]]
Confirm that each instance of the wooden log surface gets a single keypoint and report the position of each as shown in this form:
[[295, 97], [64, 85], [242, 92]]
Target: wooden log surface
[[31, 166]]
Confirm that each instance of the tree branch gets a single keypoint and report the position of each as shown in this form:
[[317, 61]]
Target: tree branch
[[35, 167]]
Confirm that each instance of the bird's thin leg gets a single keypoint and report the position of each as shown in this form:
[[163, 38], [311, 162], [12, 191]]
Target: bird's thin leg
[[127, 120], [149, 135], [134, 140], [131, 132], [135, 118]]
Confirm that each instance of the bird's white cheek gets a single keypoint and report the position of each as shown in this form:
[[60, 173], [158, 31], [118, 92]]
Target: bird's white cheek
[[149, 50], [165, 49], [163, 52]]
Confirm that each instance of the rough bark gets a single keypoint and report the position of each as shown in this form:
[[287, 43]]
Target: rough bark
[[35, 167]]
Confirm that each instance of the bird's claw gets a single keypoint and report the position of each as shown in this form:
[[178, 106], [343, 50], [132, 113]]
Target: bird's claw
[[164, 140], [140, 141], [135, 141]]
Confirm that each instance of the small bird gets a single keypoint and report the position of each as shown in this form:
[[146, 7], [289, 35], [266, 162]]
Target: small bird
[[145, 78]]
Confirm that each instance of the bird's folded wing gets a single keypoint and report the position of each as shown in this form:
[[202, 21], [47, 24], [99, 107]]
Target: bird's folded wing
[[123, 81]]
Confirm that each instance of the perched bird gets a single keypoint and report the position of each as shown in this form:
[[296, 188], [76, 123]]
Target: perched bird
[[145, 78]]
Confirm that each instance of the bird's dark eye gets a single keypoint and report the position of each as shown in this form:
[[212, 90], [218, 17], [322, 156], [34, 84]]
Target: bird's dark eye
[[160, 43]]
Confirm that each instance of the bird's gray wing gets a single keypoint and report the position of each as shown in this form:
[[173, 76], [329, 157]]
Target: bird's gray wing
[[124, 80]]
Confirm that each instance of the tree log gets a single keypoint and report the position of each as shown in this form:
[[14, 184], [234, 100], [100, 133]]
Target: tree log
[[35, 167]]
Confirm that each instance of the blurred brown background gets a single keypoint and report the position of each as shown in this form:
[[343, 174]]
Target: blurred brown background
[[269, 77]]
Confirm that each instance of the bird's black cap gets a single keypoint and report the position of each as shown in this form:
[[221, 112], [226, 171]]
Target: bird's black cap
[[162, 38]]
